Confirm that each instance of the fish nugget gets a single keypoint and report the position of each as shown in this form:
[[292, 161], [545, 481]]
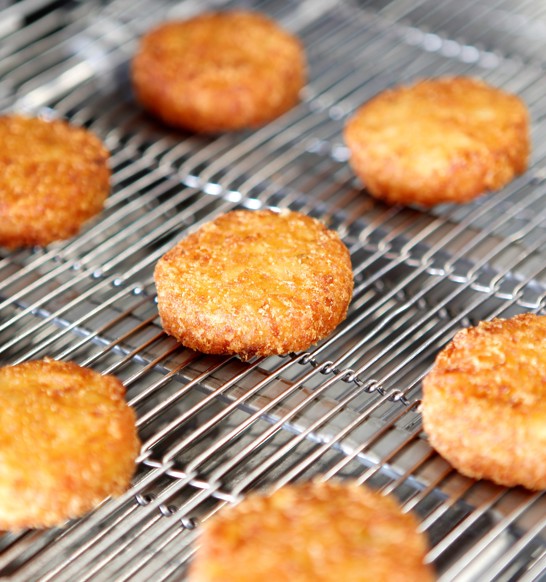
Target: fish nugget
[[484, 401], [67, 441], [449, 139], [312, 532], [219, 71], [53, 178], [254, 283]]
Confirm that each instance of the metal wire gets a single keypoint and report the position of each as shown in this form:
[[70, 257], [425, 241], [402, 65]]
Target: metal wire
[[215, 428]]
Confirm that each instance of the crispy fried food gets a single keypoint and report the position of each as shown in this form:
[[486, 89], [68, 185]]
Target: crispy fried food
[[484, 401], [53, 178], [219, 71], [254, 283], [449, 139], [67, 441], [312, 532]]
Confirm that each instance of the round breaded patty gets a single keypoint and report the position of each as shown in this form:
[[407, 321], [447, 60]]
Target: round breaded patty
[[219, 71], [254, 283], [484, 401], [67, 441], [53, 178], [441, 140], [312, 532]]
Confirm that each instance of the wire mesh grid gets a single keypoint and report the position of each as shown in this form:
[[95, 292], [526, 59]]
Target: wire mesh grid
[[214, 428]]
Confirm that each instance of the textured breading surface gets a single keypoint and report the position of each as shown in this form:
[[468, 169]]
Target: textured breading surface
[[484, 401], [254, 283], [310, 533], [53, 178], [219, 71], [67, 441], [449, 139]]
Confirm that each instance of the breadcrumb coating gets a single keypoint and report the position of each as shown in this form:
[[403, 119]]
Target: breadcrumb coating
[[53, 178], [449, 139], [255, 283], [67, 441], [484, 401], [219, 71], [312, 532]]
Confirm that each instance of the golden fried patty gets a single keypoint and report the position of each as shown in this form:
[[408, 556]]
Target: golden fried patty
[[67, 441], [484, 401], [219, 71], [53, 178], [254, 283], [441, 140], [312, 532]]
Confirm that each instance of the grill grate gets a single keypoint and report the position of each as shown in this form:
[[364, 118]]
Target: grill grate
[[214, 428]]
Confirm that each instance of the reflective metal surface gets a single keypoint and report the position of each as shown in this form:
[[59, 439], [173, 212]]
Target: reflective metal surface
[[214, 428]]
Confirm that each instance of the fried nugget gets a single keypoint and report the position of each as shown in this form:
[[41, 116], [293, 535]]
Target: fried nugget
[[53, 178], [219, 71], [484, 401], [441, 140], [254, 283], [312, 532], [67, 441]]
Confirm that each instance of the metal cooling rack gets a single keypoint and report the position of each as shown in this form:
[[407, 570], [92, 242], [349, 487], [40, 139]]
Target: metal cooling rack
[[214, 428]]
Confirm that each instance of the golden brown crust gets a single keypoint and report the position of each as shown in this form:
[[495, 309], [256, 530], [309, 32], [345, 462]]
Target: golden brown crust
[[67, 441], [254, 283], [219, 71], [53, 178], [441, 140], [312, 532], [484, 401]]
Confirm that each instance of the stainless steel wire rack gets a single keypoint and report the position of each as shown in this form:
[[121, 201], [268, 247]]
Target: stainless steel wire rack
[[214, 428]]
